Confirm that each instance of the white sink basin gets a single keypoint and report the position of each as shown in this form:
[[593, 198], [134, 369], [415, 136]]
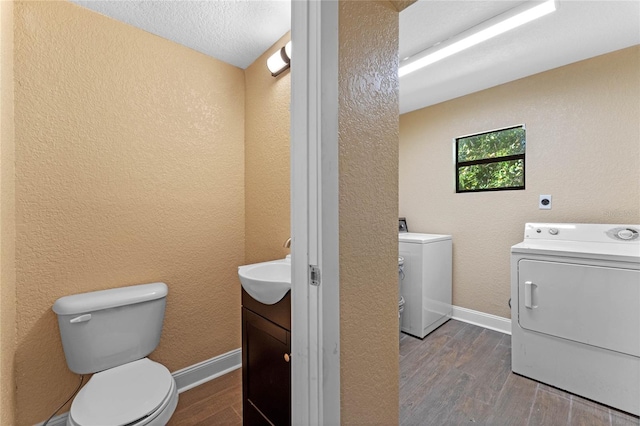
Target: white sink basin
[[267, 282]]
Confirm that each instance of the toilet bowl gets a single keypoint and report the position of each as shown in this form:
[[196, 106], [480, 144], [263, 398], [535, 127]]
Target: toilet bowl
[[138, 393], [110, 333]]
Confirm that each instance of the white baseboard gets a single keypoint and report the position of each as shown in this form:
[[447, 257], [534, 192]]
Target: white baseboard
[[202, 372], [492, 322], [189, 377]]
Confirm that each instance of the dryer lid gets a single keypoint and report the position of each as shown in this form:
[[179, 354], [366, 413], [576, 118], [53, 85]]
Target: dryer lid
[[123, 394], [415, 238]]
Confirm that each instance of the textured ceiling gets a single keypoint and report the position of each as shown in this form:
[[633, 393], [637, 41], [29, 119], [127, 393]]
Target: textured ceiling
[[239, 31], [234, 31]]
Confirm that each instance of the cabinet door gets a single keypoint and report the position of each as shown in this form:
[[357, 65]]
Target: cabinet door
[[266, 371]]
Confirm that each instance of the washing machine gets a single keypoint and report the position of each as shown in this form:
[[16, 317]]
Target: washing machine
[[575, 310], [426, 286]]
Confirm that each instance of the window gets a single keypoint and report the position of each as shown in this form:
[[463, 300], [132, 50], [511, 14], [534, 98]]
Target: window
[[491, 161]]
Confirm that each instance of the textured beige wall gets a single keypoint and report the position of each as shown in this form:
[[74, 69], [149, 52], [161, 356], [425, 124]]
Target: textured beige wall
[[583, 148], [130, 169], [401, 5], [267, 168], [368, 209], [7, 219]]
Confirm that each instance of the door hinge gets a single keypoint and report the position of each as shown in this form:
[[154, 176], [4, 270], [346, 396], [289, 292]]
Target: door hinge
[[314, 275]]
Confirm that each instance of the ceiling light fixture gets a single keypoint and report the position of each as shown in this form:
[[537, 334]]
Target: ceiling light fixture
[[493, 27], [280, 61]]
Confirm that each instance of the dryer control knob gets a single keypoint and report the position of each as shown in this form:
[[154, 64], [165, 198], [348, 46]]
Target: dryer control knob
[[553, 231], [626, 234]]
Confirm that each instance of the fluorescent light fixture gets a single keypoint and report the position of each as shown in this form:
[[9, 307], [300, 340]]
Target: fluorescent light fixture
[[280, 61], [493, 27]]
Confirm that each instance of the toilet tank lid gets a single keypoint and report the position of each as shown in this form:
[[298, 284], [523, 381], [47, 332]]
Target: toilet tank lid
[[105, 299]]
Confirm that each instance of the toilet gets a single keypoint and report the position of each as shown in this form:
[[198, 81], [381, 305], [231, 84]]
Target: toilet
[[110, 333]]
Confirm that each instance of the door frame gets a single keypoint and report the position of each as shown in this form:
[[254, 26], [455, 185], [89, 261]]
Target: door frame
[[315, 321]]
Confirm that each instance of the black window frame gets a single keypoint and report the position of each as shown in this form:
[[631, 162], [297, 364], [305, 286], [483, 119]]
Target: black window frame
[[459, 164]]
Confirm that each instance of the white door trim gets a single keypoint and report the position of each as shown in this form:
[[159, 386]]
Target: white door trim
[[315, 393]]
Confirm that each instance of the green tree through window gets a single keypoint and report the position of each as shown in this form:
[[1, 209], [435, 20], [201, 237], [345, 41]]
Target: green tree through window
[[491, 161]]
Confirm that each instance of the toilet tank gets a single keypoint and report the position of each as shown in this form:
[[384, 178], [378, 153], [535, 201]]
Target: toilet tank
[[107, 328]]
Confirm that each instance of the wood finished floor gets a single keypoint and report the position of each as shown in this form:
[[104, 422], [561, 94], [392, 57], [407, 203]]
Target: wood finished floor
[[218, 402], [459, 374]]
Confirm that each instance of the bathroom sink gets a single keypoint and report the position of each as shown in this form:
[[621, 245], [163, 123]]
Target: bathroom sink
[[267, 282]]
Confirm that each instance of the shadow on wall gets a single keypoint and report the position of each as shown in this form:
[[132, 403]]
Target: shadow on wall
[[36, 355]]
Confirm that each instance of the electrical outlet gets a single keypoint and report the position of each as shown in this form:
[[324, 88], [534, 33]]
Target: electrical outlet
[[545, 202]]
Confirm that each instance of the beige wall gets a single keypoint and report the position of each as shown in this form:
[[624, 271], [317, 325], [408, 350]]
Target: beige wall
[[129, 169], [368, 211], [119, 182], [7, 219], [267, 200], [583, 148]]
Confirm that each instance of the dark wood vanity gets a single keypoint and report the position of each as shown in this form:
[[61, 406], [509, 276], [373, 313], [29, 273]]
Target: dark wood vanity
[[266, 367]]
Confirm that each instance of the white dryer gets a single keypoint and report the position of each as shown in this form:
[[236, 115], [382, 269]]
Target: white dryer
[[426, 286], [575, 310]]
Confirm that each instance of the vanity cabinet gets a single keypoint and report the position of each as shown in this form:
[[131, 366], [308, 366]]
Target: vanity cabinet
[[266, 367]]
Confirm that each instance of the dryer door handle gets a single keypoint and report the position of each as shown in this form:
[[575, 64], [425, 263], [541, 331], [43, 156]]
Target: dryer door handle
[[528, 294]]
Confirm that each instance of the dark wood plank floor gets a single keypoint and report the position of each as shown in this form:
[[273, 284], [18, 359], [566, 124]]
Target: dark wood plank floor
[[459, 374], [218, 402]]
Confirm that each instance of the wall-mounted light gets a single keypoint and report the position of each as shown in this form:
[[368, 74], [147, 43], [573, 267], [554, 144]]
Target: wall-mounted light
[[280, 61], [493, 27]]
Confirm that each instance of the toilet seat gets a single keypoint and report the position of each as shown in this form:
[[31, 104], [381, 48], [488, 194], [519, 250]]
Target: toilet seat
[[138, 393]]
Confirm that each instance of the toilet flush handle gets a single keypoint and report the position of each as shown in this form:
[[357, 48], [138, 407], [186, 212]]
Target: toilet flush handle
[[81, 318]]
